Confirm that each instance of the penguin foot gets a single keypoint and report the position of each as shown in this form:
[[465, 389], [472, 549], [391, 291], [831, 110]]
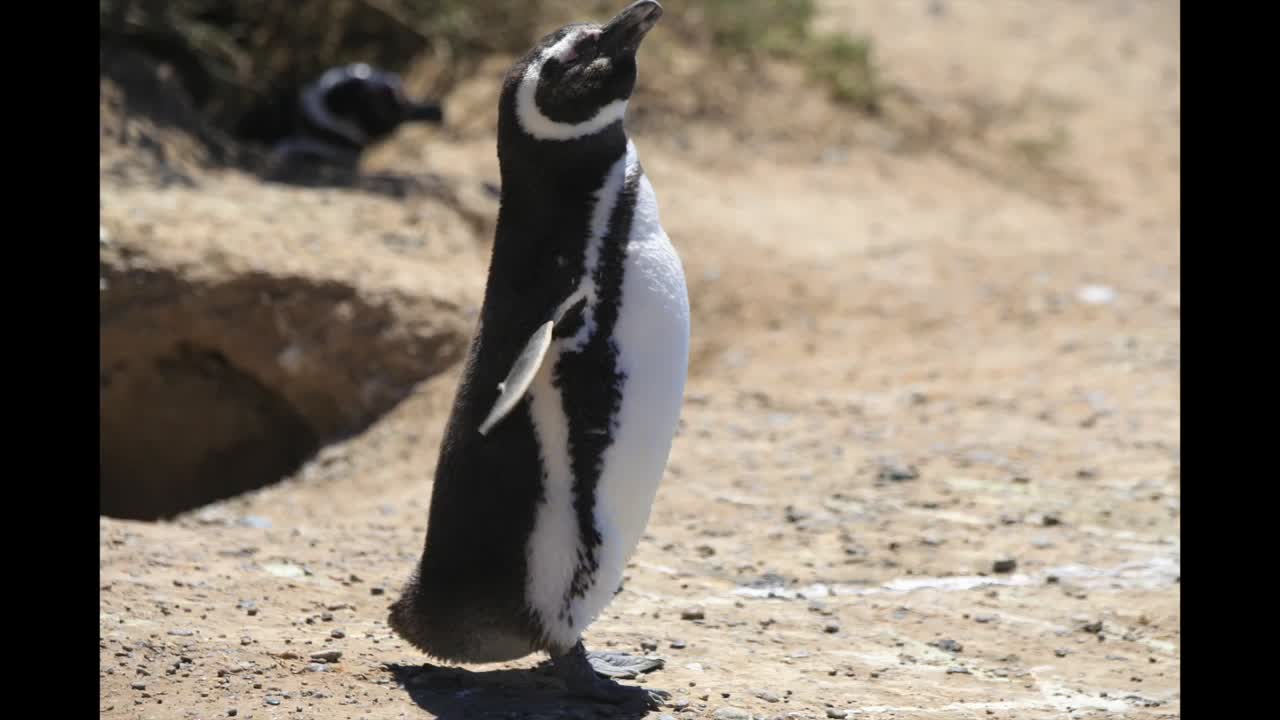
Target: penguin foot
[[579, 672], [622, 665]]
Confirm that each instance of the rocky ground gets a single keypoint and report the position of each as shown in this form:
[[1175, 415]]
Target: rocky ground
[[929, 463]]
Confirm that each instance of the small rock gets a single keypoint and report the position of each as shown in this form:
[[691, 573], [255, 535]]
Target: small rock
[[837, 713], [958, 670], [231, 712], [1093, 627], [692, 613], [138, 686], [948, 645], [1061, 652], [272, 700], [1095, 295], [679, 644], [731, 713], [666, 716], [326, 616], [1004, 565], [648, 644], [984, 618], [680, 704], [246, 640], [1041, 543], [316, 667], [182, 632], [895, 471], [1050, 519], [377, 590], [831, 628], [766, 696], [337, 634], [793, 515], [329, 656]]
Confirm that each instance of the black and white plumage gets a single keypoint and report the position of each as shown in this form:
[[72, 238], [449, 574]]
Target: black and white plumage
[[571, 394], [347, 110]]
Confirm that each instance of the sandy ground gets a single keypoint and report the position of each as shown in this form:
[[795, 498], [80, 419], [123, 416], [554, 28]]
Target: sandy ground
[[929, 462]]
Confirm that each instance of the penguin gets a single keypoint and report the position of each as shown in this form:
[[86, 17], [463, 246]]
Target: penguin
[[346, 110], [570, 396]]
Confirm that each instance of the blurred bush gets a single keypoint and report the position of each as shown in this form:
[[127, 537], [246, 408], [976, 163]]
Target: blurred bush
[[238, 56]]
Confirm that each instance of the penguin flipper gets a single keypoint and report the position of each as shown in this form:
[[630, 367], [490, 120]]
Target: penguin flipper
[[513, 388]]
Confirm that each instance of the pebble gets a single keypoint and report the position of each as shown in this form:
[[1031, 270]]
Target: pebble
[[731, 713], [984, 618], [182, 632], [1093, 627], [948, 644], [1041, 543], [648, 644], [138, 686], [692, 613], [1004, 565], [1095, 294], [958, 670], [231, 712], [837, 713], [337, 634], [377, 590], [679, 644], [326, 616], [766, 696], [327, 656], [272, 700], [1061, 652], [680, 704], [316, 667], [831, 628], [1050, 519], [895, 471]]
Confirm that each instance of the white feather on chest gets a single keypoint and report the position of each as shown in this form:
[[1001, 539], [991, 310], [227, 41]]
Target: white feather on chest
[[652, 338]]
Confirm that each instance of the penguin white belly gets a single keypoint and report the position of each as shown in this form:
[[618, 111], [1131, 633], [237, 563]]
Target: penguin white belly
[[652, 337], [652, 340]]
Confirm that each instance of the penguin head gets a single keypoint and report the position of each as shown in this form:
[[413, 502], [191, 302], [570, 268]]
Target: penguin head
[[363, 104], [576, 81]]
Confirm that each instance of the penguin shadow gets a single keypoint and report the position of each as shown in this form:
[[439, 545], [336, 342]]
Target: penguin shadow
[[452, 693]]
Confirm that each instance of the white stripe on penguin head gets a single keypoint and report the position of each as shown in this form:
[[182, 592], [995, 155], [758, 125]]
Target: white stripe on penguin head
[[531, 117]]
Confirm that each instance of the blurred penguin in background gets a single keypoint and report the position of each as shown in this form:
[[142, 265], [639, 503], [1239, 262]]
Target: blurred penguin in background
[[347, 110]]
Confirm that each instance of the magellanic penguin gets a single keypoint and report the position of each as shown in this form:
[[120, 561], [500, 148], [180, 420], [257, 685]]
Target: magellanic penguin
[[571, 394], [347, 110]]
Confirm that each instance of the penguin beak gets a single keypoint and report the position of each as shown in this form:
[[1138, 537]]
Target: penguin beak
[[622, 35]]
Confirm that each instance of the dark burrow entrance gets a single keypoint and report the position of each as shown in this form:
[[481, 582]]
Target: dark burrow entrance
[[209, 391]]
